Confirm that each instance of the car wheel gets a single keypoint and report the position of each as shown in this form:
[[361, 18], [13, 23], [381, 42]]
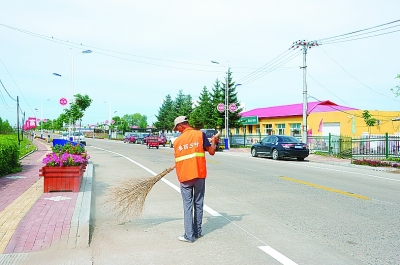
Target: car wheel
[[171, 145], [275, 154], [300, 158], [254, 152]]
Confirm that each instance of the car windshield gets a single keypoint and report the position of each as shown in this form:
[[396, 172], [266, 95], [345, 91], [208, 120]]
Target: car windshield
[[77, 133]]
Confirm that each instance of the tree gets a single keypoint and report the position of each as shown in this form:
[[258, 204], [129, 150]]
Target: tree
[[166, 115], [77, 108], [217, 98], [5, 127], [202, 115], [183, 105], [369, 120], [143, 122], [232, 99], [396, 89]]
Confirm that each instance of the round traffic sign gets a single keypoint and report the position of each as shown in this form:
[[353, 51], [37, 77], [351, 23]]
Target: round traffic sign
[[220, 107], [63, 101], [232, 107]]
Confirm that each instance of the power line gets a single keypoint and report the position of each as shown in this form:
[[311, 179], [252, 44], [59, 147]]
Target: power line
[[357, 78], [337, 38], [269, 67]]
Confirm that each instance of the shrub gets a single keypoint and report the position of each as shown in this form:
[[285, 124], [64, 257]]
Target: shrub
[[375, 163]]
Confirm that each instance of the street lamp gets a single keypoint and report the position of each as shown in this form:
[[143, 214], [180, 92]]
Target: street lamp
[[41, 118], [72, 78], [72, 69], [226, 140], [109, 120]]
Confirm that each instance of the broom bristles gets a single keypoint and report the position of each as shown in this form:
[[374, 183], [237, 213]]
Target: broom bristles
[[129, 198]]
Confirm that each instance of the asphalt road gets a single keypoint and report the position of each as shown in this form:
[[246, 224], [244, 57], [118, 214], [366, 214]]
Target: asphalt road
[[258, 211]]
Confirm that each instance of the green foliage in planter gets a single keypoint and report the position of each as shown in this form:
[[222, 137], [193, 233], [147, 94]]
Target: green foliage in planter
[[68, 148]]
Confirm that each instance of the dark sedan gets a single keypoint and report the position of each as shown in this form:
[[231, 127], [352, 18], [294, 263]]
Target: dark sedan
[[280, 146]]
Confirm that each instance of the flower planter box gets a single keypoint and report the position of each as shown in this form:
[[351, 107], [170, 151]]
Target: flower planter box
[[62, 178]]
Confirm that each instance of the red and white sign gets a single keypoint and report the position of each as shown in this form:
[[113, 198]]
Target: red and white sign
[[220, 107], [112, 121], [63, 101], [232, 107]]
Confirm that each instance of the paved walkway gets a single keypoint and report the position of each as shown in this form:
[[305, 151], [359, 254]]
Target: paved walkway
[[31, 220]]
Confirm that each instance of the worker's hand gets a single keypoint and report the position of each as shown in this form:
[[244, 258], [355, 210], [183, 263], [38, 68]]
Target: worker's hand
[[213, 139]]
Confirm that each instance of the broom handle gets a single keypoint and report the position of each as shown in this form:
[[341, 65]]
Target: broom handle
[[215, 136]]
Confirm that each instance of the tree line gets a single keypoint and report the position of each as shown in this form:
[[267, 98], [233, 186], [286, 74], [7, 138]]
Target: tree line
[[202, 113]]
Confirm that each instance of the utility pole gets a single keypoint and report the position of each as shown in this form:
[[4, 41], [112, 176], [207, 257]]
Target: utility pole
[[305, 45]]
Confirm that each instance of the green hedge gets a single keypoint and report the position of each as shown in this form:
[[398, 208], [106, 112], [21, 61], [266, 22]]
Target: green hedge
[[9, 155]]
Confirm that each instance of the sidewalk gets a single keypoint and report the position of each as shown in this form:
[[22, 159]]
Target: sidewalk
[[31, 221]]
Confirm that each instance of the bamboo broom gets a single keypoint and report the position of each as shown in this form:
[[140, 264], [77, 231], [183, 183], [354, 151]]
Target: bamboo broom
[[129, 197]]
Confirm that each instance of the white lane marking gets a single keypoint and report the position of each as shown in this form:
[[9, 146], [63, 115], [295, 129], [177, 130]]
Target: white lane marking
[[276, 255], [267, 249], [302, 164]]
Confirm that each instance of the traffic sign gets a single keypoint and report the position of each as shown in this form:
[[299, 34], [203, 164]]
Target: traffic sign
[[220, 107], [232, 107], [63, 101]]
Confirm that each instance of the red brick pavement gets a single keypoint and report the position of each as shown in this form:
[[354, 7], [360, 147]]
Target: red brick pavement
[[48, 222]]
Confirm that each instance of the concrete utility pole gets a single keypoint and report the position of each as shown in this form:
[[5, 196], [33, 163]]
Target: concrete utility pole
[[305, 45]]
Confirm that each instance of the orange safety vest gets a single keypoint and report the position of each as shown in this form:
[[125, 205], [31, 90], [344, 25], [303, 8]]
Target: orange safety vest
[[190, 160]]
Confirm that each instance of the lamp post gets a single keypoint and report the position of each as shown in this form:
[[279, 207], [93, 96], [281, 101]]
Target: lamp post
[[41, 118], [72, 69], [109, 120], [226, 140], [72, 79]]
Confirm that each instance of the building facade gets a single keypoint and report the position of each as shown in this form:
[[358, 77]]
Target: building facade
[[323, 118]]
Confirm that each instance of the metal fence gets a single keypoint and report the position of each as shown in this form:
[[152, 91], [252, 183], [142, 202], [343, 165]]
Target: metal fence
[[381, 146]]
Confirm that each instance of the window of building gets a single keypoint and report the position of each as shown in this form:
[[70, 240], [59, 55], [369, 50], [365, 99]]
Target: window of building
[[295, 129], [268, 129], [280, 128]]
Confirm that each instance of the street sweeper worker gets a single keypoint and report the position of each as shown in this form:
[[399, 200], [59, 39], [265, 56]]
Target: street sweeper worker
[[191, 169]]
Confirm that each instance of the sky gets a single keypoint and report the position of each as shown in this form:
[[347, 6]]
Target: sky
[[143, 51]]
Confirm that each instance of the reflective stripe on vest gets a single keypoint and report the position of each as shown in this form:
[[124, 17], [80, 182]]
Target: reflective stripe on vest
[[185, 157]]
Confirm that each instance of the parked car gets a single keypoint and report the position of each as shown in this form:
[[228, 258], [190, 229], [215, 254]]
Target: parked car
[[79, 137], [162, 140], [64, 136], [280, 146], [142, 138], [130, 138], [173, 138], [210, 133]]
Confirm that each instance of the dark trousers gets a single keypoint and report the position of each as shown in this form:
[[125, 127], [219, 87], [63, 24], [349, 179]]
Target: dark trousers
[[192, 192]]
